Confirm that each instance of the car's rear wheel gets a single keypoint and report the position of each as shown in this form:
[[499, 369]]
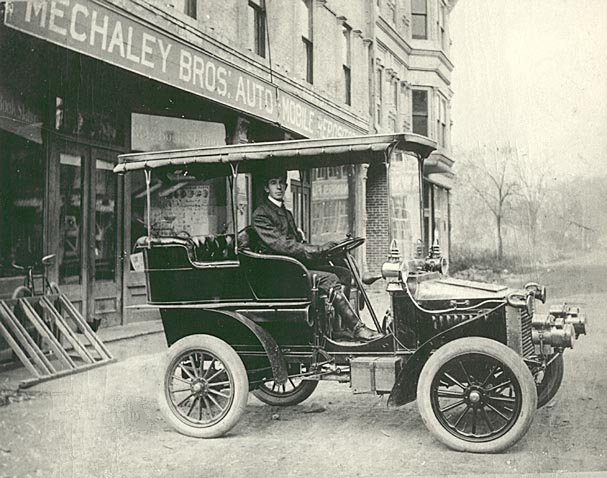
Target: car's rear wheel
[[553, 378], [476, 395], [204, 388], [294, 391]]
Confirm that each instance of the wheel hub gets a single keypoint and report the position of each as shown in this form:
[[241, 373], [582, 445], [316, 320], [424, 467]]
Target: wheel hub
[[199, 387], [474, 397]]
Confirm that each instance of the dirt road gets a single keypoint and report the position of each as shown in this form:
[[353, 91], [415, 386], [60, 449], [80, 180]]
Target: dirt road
[[106, 424]]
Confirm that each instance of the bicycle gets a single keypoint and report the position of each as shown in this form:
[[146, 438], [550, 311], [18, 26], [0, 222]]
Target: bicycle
[[28, 289]]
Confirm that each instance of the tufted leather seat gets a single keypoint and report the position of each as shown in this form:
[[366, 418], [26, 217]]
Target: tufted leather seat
[[211, 248]]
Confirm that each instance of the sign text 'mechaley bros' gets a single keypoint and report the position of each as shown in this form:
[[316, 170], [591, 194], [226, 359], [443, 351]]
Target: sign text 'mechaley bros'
[[101, 32]]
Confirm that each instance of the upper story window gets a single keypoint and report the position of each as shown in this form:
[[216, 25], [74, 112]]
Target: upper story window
[[305, 19], [379, 89], [441, 24], [347, 63], [187, 7], [441, 122], [257, 27], [419, 19], [419, 100]]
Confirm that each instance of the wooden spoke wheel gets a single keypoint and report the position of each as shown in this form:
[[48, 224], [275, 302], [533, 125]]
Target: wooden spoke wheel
[[204, 388], [294, 391], [477, 395]]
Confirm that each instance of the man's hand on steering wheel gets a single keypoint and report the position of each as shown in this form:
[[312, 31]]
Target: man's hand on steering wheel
[[342, 247], [327, 246]]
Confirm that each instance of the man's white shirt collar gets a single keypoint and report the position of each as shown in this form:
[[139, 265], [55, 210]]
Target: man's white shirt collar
[[274, 201]]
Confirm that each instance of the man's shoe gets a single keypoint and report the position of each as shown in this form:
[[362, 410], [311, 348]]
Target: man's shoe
[[362, 332], [343, 334]]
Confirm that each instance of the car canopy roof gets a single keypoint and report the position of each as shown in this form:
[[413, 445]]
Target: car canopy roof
[[291, 155]]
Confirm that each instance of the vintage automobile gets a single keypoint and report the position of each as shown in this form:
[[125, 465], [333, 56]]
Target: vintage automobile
[[475, 356]]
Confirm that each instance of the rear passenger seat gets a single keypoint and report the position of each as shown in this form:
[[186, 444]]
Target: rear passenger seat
[[213, 248], [221, 247]]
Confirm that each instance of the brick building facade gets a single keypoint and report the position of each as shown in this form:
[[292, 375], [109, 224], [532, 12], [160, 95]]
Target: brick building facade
[[85, 80]]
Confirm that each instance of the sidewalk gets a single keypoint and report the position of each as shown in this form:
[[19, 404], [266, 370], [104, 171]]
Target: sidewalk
[[123, 341]]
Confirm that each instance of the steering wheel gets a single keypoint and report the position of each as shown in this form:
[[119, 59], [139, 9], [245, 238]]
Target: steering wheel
[[345, 246]]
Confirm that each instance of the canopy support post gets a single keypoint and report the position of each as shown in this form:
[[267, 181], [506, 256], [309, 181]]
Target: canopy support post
[[148, 199]]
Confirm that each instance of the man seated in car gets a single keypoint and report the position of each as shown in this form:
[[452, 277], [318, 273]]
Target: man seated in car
[[278, 234]]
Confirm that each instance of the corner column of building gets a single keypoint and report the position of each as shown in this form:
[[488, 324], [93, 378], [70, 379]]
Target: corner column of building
[[378, 217]]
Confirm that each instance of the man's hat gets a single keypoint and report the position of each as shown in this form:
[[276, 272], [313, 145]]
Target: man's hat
[[272, 170]]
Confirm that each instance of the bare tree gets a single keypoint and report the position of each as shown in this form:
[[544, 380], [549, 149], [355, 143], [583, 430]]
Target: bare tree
[[490, 174], [533, 185]]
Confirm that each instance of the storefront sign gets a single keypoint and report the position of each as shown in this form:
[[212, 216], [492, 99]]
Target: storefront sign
[[103, 33]]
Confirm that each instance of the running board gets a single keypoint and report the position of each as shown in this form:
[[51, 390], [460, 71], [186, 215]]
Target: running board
[[54, 327]]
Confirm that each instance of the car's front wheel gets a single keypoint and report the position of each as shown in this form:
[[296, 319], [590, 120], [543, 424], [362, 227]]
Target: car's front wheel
[[204, 388], [476, 395]]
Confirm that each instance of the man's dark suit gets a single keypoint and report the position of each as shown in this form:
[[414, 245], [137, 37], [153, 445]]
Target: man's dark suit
[[278, 233]]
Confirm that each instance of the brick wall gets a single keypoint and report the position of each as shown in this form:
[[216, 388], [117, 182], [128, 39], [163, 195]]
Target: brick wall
[[377, 229]]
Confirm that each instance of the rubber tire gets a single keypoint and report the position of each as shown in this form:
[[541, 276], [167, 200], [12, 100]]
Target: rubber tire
[[499, 352], [231, 361], [21, 291], [296, 396], [553, 378]]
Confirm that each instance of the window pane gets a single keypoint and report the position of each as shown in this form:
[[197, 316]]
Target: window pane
[[419, 6], [419, 27], [405, 197], [330, 206], [70, 218], [105, 221], [347, 86], [187, 7], [21, 193], [305, 20], [420, 102], [420, 125]]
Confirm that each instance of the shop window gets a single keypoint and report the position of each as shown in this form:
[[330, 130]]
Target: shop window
[[305, 19], [21, 202], [419, 99], [105, 220], [419, 19], [347, 63], [257, 27]]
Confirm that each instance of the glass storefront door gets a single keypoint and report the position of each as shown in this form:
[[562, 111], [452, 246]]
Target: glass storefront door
[[86, 233]]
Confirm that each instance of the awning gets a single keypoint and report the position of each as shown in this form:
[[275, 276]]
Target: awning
[[295, 154]]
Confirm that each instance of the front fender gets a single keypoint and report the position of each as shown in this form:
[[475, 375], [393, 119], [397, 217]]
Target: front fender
[[405, 387]]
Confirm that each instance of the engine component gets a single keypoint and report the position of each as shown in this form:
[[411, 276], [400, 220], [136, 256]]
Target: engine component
[[554, 336], [558, 328], [538, 291], [570, 315]]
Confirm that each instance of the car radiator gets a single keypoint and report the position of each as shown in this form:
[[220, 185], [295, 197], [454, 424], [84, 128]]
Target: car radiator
[[518, 330]]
